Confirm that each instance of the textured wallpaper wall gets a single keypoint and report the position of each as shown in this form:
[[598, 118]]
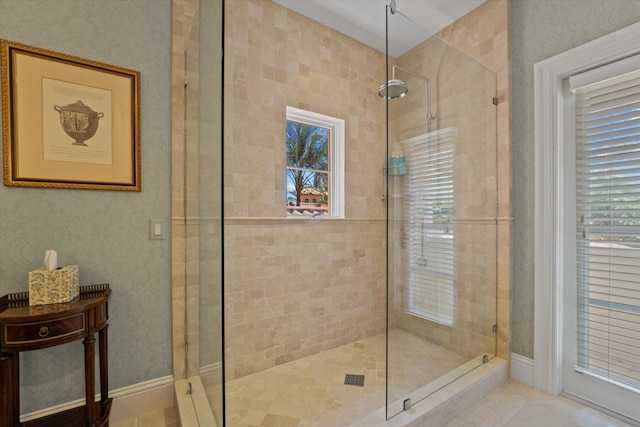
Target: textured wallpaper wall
[[105, 232], [541, 29]]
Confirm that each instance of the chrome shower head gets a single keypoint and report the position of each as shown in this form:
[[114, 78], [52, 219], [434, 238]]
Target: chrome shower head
[[393, 89]]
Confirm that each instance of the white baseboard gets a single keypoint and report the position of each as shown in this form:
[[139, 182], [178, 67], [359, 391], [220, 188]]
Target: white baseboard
[[211, 374], [128, 402], [522, 369], [142, 398], [212, 369]]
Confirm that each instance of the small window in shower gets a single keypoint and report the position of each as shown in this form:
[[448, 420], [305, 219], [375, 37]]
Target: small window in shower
[[315, 165]]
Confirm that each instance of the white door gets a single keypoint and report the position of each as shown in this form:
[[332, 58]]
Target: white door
[[601, 300]]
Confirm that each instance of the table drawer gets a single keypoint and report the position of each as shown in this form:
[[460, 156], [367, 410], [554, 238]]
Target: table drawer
[[44, 332]]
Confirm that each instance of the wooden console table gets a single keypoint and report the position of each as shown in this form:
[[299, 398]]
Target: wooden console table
[[25, 328]]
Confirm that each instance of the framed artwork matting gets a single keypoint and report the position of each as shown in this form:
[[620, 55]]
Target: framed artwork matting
[[68, 122]]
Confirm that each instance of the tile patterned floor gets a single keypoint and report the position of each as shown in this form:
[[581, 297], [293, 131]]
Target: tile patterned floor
[[516, 405], [510, 405], [311, 391], [163, 418], [414, 362]]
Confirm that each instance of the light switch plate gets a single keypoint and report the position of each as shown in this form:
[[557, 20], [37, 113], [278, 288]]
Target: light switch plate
[[156, 229]]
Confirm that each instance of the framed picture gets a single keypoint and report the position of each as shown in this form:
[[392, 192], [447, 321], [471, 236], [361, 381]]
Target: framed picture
[[68, 122]]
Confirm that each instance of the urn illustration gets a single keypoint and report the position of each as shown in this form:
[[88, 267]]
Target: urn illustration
[[78, 121]]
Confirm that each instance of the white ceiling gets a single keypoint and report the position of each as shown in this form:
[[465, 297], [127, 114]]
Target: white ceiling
[[364, 20]]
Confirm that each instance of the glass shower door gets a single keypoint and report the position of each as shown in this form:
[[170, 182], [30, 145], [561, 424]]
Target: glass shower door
[[442, 213], [203, 209]]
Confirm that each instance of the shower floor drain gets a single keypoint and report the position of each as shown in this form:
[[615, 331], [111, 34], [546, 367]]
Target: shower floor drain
[[351, 379]]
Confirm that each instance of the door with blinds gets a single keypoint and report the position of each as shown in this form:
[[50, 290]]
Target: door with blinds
[[602, 319]]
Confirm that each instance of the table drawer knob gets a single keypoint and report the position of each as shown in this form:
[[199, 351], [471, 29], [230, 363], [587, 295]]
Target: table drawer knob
[[44, 331]]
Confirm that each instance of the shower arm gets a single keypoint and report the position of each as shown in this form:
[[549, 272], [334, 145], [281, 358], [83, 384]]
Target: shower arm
[[430, 116]]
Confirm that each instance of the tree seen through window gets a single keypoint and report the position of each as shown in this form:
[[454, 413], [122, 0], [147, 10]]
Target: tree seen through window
[[308, 168]]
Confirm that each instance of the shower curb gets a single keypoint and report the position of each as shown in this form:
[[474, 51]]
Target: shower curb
[[192, 404], [447, 403]]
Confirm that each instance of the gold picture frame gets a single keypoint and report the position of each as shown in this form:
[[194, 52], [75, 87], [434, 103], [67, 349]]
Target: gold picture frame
[[68, 122]]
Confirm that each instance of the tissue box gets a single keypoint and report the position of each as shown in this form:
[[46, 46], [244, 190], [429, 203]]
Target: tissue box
[[50, 287]]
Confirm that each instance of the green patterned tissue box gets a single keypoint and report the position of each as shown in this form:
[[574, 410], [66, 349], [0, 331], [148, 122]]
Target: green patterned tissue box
[[50, 287]]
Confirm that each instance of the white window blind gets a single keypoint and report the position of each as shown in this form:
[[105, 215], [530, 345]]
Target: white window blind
[[608, 228], [430, 293]]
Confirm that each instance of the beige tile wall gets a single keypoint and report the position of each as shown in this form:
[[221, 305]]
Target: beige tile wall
[[277, 58], [483, 34], [295, 287], [314, 285], [286, 299], [209, 203]]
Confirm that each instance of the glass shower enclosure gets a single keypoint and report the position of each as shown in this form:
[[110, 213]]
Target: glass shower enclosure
[[437, 219], [441, 215]]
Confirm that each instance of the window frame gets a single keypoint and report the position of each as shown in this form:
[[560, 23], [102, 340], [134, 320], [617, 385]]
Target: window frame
[[336, 143]]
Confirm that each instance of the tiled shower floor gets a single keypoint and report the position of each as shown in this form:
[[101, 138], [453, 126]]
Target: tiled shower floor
[[311, 391]]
